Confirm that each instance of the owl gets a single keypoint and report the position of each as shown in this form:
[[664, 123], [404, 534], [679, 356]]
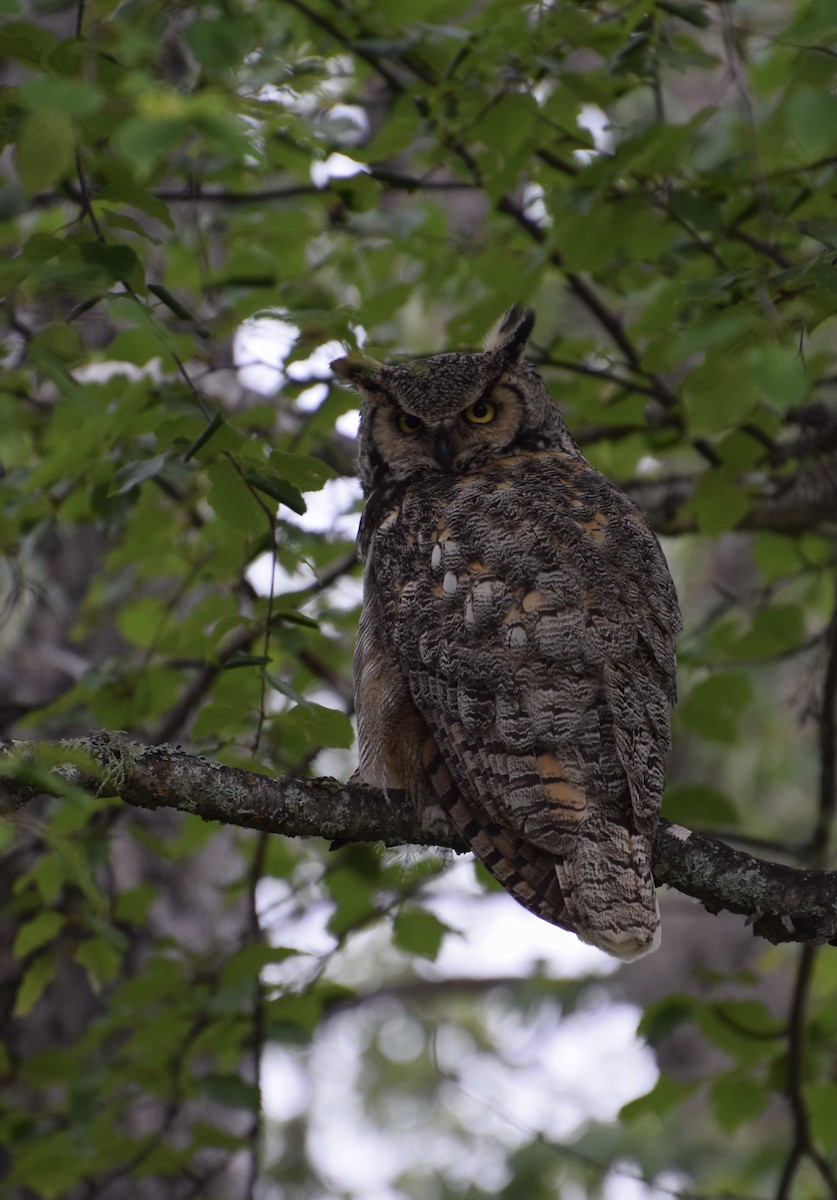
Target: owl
[[515, 655]]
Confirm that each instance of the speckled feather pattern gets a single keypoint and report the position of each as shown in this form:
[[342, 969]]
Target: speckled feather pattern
[[515, 659]]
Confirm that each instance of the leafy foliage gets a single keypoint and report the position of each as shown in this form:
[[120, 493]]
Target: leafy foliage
[[197, 203]]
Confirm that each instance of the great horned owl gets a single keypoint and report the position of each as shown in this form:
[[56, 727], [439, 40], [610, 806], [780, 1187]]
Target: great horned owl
[[515, 657]]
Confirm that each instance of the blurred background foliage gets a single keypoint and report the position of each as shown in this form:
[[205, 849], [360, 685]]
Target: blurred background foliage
[[199, 206]]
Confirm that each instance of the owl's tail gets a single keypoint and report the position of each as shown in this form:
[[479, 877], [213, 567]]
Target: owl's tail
[[608, 888], [602, 889], [603, 892]]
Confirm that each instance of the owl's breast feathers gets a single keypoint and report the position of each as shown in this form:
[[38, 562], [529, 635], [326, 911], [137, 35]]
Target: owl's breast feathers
[[532, 616]]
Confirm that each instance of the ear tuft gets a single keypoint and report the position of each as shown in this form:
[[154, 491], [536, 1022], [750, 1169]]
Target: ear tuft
[[507, 339], [342, 368], [355, 370]]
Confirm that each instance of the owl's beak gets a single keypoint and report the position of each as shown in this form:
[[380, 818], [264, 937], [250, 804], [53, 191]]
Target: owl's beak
[[444, 451]]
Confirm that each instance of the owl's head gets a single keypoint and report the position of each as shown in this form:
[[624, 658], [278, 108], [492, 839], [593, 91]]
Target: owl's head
[[453, 412]]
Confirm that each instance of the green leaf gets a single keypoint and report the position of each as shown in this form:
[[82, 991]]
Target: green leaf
[[37, 932], [418, 932], [219, 44], [821, 1104], [743, 1029], [719, 392], [507, 122], [726, 328], [31, 987], [718, 501], [204, 1135], [49, 874], [692, 14], [736, 1099], [699, 807], [50, 1166], [45, 150], [130, 476], [74, 810], [230, 1090], [354, 896], [138, 622], [714, 707], [7, 833], [236, 661], [292, 617], [662, 1018], [319, 726], [277, 489], [779, 372], [145, 141], [740, 451], [812, 118], [100, 960], [775, 630], [220, 721], [162, 1159], [173, 430], [395, 133], [815, 22], [128, 193], [303, 472], [132, 905], [119, 262], [28, 43], [294, 1018], [659, 1102], [69, 96], [247, 964], [816, 550], [777, 555], [60, 341], [233, 502]]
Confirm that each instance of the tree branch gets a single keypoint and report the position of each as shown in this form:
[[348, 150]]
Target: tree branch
[[805, 502], [782, 903]]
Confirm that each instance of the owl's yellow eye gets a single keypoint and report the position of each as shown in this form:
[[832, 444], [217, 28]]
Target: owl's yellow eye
[[407, 423], [481, 413]]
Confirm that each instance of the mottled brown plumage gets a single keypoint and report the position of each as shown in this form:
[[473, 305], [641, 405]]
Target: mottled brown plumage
[[515, 658]]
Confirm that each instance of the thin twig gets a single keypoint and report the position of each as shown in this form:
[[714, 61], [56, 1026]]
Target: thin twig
[[86, 206], [268, 627], [393, 179], [821, 837], [371, 59], [803, 1145], [255, 938], [760, 245]]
